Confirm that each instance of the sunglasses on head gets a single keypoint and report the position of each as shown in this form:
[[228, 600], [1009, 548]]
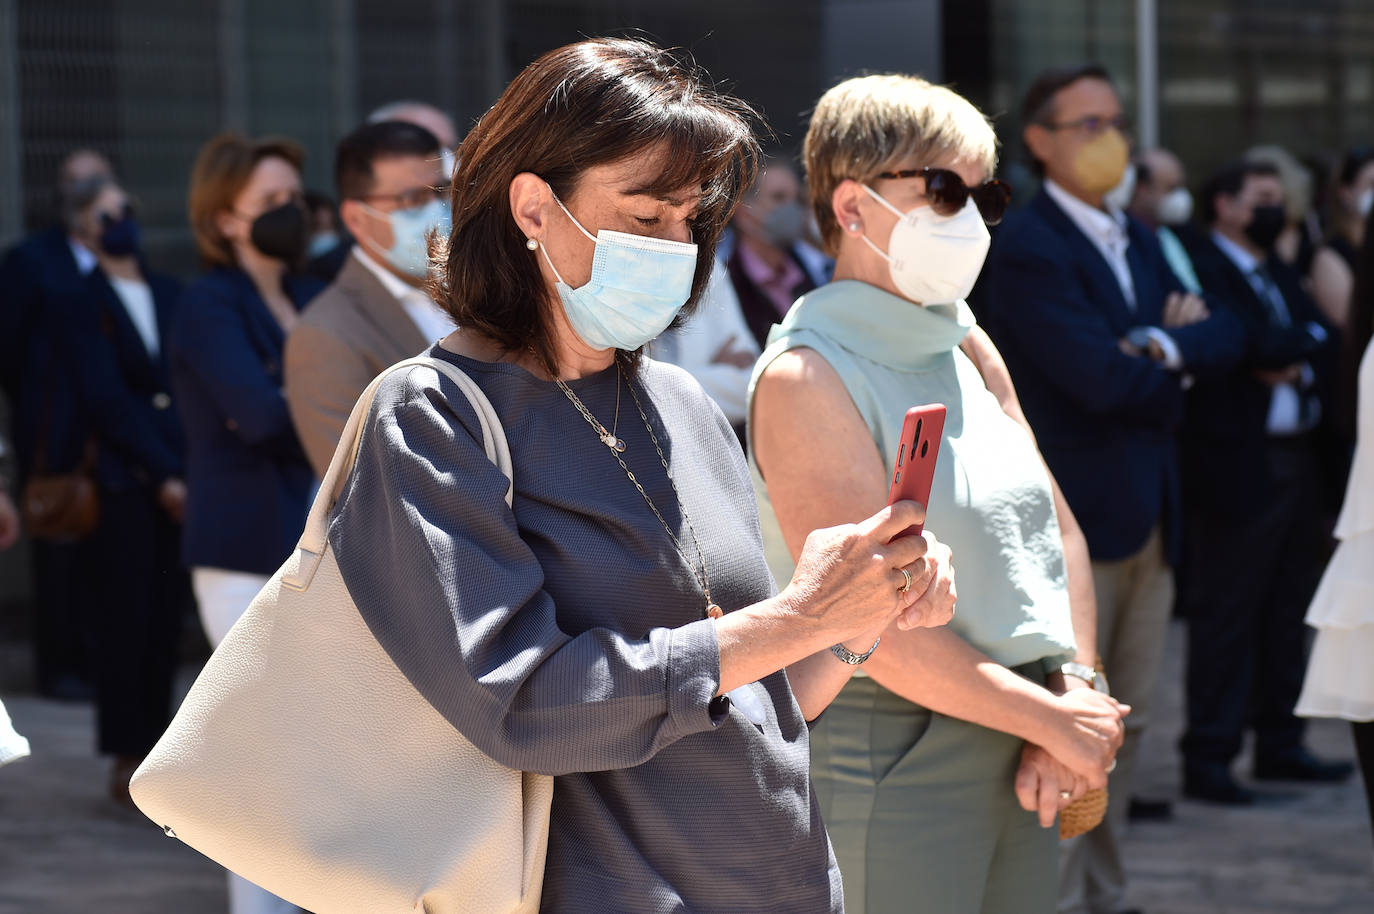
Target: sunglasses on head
[[948, 193]]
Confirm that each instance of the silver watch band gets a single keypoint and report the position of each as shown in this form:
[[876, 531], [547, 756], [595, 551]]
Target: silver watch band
[[1085, 673], [851, 658]]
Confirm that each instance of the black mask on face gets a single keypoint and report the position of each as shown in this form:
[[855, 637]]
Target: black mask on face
[[280, 233], [1266, 224], [119, 237]]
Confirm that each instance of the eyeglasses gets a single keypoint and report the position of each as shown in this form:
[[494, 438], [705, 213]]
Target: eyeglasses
[[948, 193], [414, 198], [1092, 124]]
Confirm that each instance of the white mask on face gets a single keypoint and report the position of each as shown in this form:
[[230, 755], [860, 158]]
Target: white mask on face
[[934, 259], [1366, 202], [1175, 207], [1120, 197], [448, 161]]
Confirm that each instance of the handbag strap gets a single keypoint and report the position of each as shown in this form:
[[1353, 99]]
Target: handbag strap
[[346, 452]]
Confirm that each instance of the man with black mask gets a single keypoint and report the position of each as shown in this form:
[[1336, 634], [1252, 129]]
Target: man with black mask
[[770, 266], [1255, 541]]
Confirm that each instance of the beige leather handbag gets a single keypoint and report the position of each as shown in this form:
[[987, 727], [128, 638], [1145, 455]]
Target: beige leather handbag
[[305, 761]]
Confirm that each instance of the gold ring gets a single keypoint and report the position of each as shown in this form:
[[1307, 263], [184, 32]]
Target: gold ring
[[907, 586]]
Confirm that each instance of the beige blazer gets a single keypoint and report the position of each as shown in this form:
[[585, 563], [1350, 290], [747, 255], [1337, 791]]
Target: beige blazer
[[348, 334]]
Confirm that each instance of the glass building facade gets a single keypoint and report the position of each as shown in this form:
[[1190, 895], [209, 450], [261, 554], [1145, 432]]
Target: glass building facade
[[1227, 74], [150, 80]]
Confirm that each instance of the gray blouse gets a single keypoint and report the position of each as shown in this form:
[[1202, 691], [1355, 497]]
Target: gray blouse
[[568, 636]]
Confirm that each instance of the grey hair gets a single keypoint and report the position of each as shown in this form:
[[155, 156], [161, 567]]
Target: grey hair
[[75, 197], [389, 111]]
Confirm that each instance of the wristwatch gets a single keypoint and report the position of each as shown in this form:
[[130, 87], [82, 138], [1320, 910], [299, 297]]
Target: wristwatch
[[1086, 673], [851, 658]]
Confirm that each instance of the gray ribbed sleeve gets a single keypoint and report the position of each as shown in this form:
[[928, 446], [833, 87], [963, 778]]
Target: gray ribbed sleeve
[[457, 598], [567, 636]]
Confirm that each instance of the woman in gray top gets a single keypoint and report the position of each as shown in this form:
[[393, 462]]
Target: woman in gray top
[[581, 634]]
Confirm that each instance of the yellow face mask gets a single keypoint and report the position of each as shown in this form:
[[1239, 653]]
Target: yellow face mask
[[1100, 163]]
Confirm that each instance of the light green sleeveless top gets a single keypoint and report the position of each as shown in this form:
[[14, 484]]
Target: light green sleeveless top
[[991, 501]]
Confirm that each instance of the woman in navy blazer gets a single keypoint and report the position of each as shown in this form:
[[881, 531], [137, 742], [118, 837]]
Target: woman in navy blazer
[[249, 482], [248, 477], [107, 334]]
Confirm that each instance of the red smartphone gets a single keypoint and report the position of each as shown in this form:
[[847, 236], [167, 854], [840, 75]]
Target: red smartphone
[[914, 471]]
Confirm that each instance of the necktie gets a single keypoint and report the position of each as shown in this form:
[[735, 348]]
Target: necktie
[[1269, 292]]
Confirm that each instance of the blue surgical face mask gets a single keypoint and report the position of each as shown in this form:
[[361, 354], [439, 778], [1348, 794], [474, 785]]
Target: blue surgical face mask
[[638, 285], [410, 228], [321, 243]]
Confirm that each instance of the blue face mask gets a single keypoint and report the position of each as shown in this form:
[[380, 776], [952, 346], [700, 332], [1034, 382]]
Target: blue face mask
[[638, 285], [410, 228]]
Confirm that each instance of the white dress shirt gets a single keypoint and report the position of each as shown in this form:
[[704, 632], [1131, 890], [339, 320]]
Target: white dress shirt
[[137, 297], [1106, 229], [434, 322], [85, 258], [1285, 403]]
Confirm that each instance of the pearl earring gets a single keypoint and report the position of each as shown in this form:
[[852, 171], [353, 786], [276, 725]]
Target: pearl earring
[[853, 226], [531, 244]]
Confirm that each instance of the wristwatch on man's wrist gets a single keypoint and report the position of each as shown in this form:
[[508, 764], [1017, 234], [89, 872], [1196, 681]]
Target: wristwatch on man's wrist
[[1086, 673]]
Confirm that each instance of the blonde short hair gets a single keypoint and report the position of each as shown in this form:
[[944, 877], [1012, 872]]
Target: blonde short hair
[[869, 124]]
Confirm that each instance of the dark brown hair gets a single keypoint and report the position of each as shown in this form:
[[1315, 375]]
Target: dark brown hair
[[1037, 107], [582, 105], [371, 143], [223, 168], [1229, 181]]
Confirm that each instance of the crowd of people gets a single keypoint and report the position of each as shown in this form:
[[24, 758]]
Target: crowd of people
[[1154, 406]]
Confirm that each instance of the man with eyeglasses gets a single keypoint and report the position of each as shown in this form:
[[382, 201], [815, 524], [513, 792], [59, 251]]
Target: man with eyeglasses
[[394, 193], [1102, 341]]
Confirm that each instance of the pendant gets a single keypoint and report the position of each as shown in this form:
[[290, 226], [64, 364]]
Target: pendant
[[614, 443], [714, 612]]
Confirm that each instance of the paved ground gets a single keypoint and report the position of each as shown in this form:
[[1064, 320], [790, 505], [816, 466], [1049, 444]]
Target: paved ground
[[64, 848]]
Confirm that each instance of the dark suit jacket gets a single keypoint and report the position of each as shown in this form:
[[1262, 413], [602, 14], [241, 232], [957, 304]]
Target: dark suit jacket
[[124, 389], [49, 423], [247, 476], [1225, 435], [1105, 421], [353, 330]]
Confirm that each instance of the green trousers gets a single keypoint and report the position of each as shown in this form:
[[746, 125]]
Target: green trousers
[[921, 811]]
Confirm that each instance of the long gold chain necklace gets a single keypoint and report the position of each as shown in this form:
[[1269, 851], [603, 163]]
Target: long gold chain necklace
[[617, 448], [610, 439]]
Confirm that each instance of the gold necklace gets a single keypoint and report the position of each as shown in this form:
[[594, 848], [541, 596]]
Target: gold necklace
[[617, 447]]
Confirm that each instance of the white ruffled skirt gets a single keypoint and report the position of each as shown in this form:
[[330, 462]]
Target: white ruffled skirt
[[12, 745], [1340, 671]]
